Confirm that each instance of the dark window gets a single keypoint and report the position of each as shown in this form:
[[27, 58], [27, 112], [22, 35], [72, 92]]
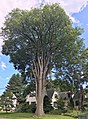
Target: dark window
[[69, 95], [56, 96], [33, 102]]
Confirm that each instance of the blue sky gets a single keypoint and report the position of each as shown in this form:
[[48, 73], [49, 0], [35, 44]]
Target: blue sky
[[82, 17], [76, 9]]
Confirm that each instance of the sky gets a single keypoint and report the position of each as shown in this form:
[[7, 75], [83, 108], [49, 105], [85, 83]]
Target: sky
[[76, 9]]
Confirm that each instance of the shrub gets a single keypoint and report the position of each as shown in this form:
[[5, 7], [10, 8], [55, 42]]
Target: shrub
[[32, 107], [70, 104], [47, 105], [56, 112], [60, 104], [23, 107]]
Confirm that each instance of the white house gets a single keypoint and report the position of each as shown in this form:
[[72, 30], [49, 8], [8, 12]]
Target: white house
[[31, 98]]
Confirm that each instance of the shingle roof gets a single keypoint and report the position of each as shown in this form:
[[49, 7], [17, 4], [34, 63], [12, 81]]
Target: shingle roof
[[50, 93]]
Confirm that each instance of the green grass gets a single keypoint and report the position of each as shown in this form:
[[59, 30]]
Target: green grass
[[32, 116]]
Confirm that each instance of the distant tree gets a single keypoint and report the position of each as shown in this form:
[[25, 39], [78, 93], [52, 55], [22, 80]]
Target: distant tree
[[59, 85], [38, 41], [75, 73], [17, 87]]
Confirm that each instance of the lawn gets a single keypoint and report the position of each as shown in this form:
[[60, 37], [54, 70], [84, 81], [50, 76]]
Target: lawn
[[31, 116]]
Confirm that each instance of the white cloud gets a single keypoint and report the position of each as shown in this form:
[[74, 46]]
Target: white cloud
[[7, 78], [70, 6], [3, 65], [74, 20]]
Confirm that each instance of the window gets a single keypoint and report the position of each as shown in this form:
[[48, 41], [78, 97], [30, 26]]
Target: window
[[56, 96]]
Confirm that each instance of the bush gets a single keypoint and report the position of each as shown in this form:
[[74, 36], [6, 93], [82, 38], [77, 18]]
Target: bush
[[32, 107], [70, 104], [47, 105], [25, 107], [56, 112], [60, 104]]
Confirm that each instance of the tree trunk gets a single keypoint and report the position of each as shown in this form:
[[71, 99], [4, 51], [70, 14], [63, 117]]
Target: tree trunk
[[40, 72], [39, 97], [81, 97]]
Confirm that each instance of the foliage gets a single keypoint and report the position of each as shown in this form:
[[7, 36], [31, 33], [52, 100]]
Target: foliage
[[33, 107], [75, 73], [60, 108], [6, 101], [30, 87], [56, 112], [23, 107], [16, 86], [70, 104], [60, 85], [47, 105], [61, 105]]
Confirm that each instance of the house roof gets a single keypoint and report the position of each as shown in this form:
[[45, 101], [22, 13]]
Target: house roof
[[63, 95], [76, 95], [50, 93]]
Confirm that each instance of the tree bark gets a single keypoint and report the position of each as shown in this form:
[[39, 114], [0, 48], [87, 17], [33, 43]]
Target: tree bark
[[81, 97], [39, 98]]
